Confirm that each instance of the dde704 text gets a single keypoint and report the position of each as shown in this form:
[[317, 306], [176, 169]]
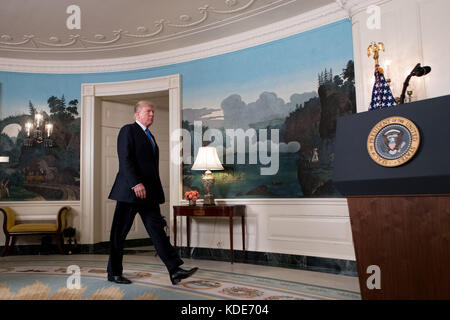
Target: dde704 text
[[246, 309]]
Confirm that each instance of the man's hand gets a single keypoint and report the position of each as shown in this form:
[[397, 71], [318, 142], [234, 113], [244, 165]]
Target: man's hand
[[139, 190]]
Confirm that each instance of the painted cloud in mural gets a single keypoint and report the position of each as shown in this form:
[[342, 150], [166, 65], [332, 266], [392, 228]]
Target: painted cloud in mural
[[267, 108]]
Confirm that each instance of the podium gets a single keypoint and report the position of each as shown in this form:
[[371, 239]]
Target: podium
[[400, 216]]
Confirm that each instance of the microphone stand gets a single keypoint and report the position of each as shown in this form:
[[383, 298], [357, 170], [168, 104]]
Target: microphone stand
[[406, 84]]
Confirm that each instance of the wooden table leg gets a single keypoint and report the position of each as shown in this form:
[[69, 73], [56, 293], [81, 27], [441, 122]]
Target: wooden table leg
[[175, 230], [6, 248], [59, 243], [188, 235], [13, 243], [243, 235], [231, 238]]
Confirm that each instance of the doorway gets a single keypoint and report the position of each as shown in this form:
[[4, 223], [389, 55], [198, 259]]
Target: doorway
[[104, 112], [116, 111]]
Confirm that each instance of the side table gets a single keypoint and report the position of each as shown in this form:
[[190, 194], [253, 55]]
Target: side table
[[229, 211]]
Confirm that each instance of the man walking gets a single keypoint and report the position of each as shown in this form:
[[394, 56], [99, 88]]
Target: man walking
[[138, 188]]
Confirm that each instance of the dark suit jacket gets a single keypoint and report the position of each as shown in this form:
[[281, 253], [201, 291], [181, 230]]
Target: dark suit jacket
[[137, 164]]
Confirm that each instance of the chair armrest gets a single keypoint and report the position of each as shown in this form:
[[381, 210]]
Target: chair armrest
[[9, 218], [61, 218]]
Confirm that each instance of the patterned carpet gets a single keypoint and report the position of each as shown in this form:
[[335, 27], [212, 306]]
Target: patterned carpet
[[48, 279]]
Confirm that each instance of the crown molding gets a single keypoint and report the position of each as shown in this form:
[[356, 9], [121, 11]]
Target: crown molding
[[354, 7], [334, 12], [164, 30]]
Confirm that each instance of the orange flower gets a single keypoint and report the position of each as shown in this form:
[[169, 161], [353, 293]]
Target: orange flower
[[191, 195]]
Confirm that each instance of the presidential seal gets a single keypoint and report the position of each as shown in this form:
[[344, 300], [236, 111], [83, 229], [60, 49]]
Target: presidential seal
[[393, 141]]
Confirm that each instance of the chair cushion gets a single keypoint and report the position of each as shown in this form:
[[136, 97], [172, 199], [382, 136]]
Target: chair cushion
[[33, 227]]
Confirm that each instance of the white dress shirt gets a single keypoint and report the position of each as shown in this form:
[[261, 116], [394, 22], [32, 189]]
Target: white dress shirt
[[141, 125]]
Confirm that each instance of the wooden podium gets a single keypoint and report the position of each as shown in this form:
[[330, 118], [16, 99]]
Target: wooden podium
[[400, 216]]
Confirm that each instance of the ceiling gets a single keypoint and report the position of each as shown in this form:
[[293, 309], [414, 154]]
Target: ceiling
[[132, 99], [37, 30]]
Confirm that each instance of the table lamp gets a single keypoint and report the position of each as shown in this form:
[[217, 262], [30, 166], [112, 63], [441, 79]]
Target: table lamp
[[4, 159], [207, 159]]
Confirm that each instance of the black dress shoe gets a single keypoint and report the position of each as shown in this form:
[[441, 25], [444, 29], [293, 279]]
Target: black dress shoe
[[119, 279], [180, 274]]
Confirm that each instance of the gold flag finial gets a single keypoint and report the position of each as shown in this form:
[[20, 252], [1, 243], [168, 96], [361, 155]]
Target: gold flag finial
[[375, 49]]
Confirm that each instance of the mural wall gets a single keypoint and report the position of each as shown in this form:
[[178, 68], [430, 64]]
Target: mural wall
[[270, 111], [44, 166]]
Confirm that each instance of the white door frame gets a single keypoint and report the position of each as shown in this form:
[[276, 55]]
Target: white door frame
[[89, 142]]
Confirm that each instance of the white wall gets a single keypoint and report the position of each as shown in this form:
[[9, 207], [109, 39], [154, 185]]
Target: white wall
[[312, 227], [413, 31]]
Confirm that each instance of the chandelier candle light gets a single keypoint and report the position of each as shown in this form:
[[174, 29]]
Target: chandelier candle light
[[37, 135], [207, 159]]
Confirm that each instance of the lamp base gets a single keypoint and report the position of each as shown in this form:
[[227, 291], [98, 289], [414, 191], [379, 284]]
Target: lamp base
[[208, 183], [209, 200]]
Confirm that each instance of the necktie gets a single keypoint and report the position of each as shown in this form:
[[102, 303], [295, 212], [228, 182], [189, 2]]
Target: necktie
[[151, 140]]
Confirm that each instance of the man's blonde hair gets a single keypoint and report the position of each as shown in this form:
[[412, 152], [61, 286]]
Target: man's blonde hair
[[140, 104]]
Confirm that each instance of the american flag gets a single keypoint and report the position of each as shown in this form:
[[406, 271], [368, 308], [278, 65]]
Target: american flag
[[381, 95]]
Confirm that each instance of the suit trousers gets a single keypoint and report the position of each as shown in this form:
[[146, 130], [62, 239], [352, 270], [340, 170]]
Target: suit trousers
[[154, 224]]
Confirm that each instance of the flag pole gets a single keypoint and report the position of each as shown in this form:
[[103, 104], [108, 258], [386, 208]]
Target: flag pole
[[381, 94]]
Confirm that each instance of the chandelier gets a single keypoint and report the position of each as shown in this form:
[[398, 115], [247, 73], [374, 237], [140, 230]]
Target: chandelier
[[38, 132]]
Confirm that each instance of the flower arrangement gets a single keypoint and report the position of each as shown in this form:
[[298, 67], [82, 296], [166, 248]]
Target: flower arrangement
[[191, 195]]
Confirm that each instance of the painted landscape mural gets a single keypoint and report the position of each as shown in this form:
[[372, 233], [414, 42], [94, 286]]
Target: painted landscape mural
[[270, 110], [37, 171], [288, 111], [306, 129]]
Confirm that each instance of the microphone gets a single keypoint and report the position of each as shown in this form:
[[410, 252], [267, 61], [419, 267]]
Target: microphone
[[420, 71]]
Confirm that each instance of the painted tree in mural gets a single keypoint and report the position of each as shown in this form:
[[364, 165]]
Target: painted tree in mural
[[40, 173], [32, 109], [314, 124], [59, 110]]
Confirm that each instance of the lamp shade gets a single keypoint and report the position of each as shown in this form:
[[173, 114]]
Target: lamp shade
[[207, 159], [4, 159]]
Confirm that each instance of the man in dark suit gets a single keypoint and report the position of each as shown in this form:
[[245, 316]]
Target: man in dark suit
[[138, 188]]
